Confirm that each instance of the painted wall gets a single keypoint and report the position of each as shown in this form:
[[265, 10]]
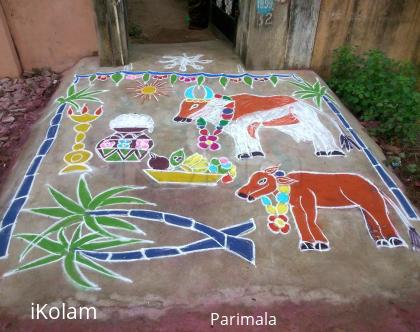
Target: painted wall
[[53, 34], [9, 62]]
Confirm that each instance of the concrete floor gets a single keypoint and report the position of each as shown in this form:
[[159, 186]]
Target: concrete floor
[[353, 287]]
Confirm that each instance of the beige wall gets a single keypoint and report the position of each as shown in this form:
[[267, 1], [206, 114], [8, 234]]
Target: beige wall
[[9, 62], [51, 33]]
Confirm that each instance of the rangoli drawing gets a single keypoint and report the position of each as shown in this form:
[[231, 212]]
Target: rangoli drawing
[[306, 192], [129, 142], [242, 115], [91, 231], [194, 169], [182, 62], [147, 91], [84, 229], [78, 157]]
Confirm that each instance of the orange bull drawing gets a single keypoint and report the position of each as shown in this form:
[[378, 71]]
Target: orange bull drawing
[[289, 115], [309, 191]]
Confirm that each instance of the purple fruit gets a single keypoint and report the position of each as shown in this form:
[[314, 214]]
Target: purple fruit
[[158, 162]]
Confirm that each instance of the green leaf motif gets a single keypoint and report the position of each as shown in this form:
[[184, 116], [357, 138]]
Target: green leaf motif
[[201, 122], [55, 212], [117, 77], [84, 239], [83, 193], [63, 239], [99, 245], [318, 100], [74, 273], [58, 226], [73, 96], [146, 77], [308, 95], [177, 158], [201, 80], [71, 90], [44, 243], [122, 200], [66, 202], [92, 78], [173, 79], [316, 92], [90, 264], [248, 80], [98, 199], [93, 225], [117, 223], [223, 81], [274, 80], [46, 260]]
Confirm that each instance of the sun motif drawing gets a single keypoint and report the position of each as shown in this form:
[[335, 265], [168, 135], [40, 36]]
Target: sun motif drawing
[[149, 91]]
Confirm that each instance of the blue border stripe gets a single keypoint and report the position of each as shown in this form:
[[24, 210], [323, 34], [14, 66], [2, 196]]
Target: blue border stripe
[[386, 179], [358, 139], [10, 217], [405, 203], [370, 156]]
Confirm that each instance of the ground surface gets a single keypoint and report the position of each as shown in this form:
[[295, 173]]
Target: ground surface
[[145, 22], [21, 100], [353, 287]]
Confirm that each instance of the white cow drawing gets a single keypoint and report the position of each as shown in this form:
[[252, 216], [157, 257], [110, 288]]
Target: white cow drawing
[[289, 115]]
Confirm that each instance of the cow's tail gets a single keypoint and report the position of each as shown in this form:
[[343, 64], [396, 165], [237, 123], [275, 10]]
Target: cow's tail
[[346, 142], [412, 233]]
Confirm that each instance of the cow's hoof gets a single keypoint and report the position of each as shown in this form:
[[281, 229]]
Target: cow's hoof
[[321, 153], [243, 156], [396, 242], [382, 243], [305, 246], [335, 153], [257, 154], [322, 246]]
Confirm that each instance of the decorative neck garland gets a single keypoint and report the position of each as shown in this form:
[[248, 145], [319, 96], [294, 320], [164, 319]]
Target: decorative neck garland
[[205, 140], [277, 214]]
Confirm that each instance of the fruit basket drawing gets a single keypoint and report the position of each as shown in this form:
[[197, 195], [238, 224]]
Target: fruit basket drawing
[[194, 169]]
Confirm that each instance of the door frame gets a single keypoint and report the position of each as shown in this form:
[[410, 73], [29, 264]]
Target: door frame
[[111, 16]]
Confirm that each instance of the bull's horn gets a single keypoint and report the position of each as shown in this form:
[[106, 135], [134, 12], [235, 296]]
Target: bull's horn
[[189, 93], [209, 93]]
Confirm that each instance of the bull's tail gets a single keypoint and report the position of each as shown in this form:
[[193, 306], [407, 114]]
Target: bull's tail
[[412, 233]]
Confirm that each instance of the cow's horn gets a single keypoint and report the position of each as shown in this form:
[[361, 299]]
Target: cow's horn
[[209, 93], [189, 93]]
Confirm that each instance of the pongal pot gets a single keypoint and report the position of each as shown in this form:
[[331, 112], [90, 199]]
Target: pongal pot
[[129, 142]]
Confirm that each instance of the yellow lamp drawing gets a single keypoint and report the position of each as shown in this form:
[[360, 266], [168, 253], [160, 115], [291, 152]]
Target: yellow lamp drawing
[[76, 160]]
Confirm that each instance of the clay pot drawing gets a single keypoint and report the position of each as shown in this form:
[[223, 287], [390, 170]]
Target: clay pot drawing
[[129, 142]]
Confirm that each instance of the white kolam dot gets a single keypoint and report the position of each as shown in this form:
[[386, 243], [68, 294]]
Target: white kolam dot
[[132, 120]]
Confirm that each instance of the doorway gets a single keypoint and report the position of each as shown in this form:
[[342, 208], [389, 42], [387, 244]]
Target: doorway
[[124, 22], [164, 21]]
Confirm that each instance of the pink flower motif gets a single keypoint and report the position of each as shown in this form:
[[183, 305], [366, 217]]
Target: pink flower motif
[[160, 77], [132, 77], [142, 144], [107, 144], [187, 79], [208, 142]]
